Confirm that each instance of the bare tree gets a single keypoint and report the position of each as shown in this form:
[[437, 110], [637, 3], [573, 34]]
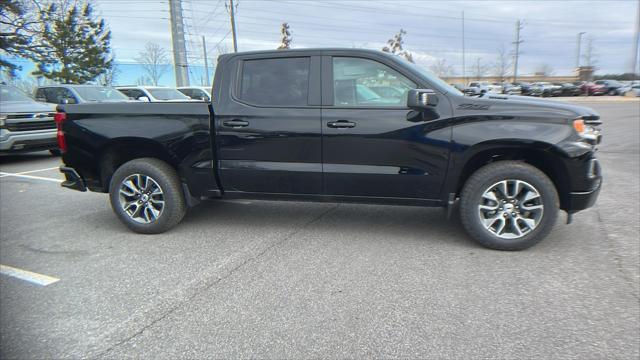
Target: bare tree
[[154, 61], [21, 29], [441, 68], [143, 80], [285, 42], [502, 65], [109, 77], [544, 69], [395, 46], [480, 69]]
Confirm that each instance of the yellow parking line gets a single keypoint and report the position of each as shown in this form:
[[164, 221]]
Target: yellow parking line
[[30, 177], [35, 278]]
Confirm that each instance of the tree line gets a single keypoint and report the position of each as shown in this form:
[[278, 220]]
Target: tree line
[[66, 41]]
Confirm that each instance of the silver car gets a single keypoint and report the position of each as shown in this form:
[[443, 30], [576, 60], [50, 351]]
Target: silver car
[[78, 94], [25, 125]]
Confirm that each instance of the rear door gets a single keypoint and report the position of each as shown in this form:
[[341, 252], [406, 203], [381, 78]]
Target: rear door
[[268, 125], [373, 145]]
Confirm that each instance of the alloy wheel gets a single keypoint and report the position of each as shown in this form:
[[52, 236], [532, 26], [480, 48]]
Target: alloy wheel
[[141, 198], [511, 209]]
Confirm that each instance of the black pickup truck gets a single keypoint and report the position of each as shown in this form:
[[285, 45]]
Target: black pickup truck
[[339, 125]]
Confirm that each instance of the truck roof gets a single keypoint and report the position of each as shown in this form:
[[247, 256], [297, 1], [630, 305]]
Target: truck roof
[[307, 50]]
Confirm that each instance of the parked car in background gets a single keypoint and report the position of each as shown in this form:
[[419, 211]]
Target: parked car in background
[[77, 94], [26, 125], [589, 88], [153, 93], [482, 87], [511, 89], [634, 90], [196, 92], [525, 88], [545, 89], [612, 87], [568, 89]]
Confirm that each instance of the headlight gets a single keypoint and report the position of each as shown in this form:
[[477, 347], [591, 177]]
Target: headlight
[[587, 130], [2, 120]]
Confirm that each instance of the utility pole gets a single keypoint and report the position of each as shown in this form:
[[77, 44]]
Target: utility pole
[[206, 63], [178, 43], [578, 51], [517, 43], [478, 68], [464, 73], [231, 8], [635, 65]]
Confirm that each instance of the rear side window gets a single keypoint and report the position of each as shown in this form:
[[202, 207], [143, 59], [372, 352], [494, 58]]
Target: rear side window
[[275, 82]]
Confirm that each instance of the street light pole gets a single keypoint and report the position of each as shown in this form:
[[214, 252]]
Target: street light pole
[[578, 50]]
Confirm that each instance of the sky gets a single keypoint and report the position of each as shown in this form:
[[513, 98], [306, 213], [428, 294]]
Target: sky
[[434, 30]]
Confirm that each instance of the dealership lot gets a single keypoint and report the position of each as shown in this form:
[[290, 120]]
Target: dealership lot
[[289, 279]]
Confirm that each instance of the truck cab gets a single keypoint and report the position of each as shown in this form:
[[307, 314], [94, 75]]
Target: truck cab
[[315, 125]]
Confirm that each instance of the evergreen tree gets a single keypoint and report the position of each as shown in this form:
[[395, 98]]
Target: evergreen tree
[[77, 44], [285, 43]]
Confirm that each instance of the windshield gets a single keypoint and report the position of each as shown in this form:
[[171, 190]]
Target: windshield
[[99, 93], [10, 93], [167, 94], [431, 77]]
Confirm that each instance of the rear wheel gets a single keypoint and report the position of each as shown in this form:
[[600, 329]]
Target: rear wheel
[[146, 196], [508, 205]]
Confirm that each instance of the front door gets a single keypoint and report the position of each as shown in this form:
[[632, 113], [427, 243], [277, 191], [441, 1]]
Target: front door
[[268, 133], [373, 145]]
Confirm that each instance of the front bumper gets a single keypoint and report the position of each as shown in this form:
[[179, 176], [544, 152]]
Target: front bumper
[[580, 200], [588, 177], [36, 140]]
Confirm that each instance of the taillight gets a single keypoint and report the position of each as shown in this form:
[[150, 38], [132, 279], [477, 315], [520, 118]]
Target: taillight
[[59, 118]]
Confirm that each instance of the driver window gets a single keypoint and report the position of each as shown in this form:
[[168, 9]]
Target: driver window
[[367, 83]]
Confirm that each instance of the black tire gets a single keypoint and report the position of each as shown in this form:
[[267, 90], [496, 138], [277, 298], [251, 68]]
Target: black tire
[[55, 152], [613, 92], [493, 173], [166, 177]]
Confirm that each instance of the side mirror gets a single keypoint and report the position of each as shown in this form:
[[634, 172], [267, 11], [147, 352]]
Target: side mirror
[[144, 98], [421, 98]]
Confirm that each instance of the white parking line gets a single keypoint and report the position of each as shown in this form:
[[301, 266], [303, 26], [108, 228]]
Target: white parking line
[[35, 278], [4, 174], [28, 172]]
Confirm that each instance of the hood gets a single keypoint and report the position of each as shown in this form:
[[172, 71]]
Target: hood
[[519, 107], [25, 107]]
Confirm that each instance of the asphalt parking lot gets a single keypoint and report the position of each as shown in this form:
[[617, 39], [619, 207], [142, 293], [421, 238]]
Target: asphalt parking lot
[[288, 279]]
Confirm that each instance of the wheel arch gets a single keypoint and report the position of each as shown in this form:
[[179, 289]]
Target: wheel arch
[[543, 156], [121, 150]]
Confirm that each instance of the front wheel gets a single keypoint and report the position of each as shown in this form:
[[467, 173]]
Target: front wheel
[[508, 205], [146, 196]]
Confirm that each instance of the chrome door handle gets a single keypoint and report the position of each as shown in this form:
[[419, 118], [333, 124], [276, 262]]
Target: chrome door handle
[[341, 124], [235, 123]]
